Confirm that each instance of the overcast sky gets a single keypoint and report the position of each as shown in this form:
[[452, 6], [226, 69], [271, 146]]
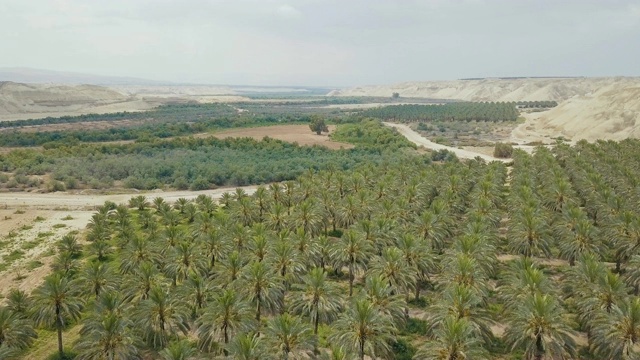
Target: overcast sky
[[322, 42]]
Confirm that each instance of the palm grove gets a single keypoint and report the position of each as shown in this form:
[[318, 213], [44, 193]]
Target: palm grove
[[430, 261]]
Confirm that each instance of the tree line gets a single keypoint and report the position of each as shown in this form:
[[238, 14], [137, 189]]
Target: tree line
[[458, 111]]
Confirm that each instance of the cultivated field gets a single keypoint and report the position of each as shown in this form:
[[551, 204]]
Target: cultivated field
[[290, 133]]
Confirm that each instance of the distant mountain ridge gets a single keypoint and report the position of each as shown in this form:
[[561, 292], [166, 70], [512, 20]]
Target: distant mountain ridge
[[39, 76], [495, 89]]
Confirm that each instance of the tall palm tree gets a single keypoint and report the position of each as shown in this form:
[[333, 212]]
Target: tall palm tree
[[96, 278], [418, 256], [388, 303], [453, 338], [161, 317], [529, 233], [318, 299], [393, 268], [247, 346], [285, 259], [69, 243], [19, 302], [617, 334], [462, 302], [225, 316], [139, 250], [352, 251], [138, 284], [183, 259], [262, 286], [195, 291], [107, 336], [538, 328], [56, 302], [363, 330], [289, 336], [178, 350], [583, 240], [16, 332]]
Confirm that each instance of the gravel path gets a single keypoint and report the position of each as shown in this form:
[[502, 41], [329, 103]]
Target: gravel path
[[419, 140]]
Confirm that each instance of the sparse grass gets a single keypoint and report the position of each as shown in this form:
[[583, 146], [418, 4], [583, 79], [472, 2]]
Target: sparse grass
[[34, 264], [49, 252], [59, 226], [68, 217], [6, 217], [19, 212], [28, 245], [44, 235], [12, 234], [3, 244], [13, 256], [26, 227], [39, 219]]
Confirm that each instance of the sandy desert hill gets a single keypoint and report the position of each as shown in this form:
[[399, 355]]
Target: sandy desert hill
[[589, 108], [19, 101]]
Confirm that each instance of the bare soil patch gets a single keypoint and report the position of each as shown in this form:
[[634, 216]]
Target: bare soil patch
[[33, 234], [290, 133]]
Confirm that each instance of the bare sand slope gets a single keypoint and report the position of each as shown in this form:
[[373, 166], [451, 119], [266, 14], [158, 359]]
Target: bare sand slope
[[611, 113], [23, 101], [520, 89], [67, 201], [417, 139]]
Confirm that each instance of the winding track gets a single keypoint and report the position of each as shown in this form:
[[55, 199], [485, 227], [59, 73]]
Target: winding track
[[419, 140]]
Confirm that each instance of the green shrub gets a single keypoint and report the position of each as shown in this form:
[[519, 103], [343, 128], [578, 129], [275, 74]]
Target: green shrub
[[502, 150]]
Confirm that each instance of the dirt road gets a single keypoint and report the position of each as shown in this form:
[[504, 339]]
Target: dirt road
[[67, 201], [417, 139]]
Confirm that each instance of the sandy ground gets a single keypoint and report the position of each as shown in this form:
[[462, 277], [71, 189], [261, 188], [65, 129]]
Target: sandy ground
[[291, 133], [63, 201], [35, 233], [417, 139]]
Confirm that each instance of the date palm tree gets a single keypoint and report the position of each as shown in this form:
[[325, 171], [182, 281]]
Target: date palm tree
[[393, 268], [453, 338], [617, 334], [352, 251], [289, 336], [160, 317], [248, 346], [178, 350], [56, 303], [582, 240], [529, 233], [363, 330], [19, 303], [537, 327], [16, 332], [318, 299], [418, 256], [225, 316], [263, 287], [96, 278], [107, 336]]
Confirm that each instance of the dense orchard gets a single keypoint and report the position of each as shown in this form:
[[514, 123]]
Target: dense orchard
[[462, 260]]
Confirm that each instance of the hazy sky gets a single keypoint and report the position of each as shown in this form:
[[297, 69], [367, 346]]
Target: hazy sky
[[322, 42]]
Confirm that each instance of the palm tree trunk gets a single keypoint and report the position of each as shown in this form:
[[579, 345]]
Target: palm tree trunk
[[361, 348], [350, 279], [59, 328]]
